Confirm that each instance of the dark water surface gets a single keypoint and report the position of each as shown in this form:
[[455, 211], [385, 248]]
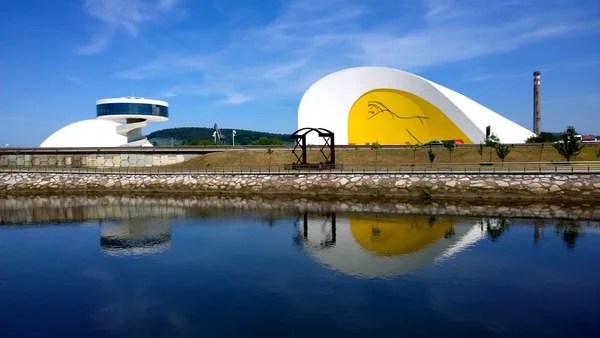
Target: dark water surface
[[83, 269]]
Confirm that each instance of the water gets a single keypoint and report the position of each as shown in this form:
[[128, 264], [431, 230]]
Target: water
[[109, 267]]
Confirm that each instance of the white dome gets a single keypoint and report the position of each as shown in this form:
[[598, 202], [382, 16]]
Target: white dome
[[86, 133], [341, 97]]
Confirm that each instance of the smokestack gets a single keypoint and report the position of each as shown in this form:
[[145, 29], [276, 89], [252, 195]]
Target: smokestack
[[537, 118]]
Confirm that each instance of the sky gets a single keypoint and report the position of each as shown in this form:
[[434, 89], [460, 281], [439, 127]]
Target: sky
[[245, 64]]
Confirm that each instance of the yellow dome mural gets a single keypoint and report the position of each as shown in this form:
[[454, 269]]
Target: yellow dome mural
[[392, 116], [389, 236]]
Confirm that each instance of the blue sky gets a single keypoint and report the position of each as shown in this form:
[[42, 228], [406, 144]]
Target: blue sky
[[246, 64]]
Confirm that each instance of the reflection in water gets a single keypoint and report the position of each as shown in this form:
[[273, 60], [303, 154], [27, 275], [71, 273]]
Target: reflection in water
[[495, 228], [234, 264], [135, 237], [570, 231], [385, 245]]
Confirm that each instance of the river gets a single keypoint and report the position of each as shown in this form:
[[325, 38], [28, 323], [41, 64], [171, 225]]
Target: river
[[96, 266]]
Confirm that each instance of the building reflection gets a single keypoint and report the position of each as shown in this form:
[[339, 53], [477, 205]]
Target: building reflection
[[375, 245], [141, 236]]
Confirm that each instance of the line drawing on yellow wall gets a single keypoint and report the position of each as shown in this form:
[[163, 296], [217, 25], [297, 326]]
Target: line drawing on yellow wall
[[376, 108]]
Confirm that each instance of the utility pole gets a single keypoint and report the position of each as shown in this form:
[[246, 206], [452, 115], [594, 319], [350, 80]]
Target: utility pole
[[233, 137]]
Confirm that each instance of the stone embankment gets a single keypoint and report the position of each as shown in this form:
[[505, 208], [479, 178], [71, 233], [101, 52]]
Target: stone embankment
[[455, 186], [92, 160]]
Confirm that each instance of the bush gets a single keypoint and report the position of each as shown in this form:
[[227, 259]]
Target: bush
[[202, 143], [267, 141], [543, 137]]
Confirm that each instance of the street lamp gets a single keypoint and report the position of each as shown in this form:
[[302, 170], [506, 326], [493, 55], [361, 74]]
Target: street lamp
[[215, 136], [233, 136]]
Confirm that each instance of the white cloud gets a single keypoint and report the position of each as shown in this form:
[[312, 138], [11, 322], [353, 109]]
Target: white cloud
[[166, 4], [186, 88], [311, 38], [94, 47], [235, 98], [166, 65], [121, 14]]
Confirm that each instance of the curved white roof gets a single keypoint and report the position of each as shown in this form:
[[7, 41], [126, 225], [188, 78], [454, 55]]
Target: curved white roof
[[86, 133], [327, 103], [132, 99]]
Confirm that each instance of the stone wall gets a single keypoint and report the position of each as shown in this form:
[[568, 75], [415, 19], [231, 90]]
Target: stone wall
[[584, 187], [93, 160]]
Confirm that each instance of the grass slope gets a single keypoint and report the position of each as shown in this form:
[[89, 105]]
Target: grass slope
[[390, 158]]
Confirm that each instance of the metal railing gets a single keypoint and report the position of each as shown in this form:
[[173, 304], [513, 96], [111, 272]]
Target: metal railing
[[210, 148], [393, 168]]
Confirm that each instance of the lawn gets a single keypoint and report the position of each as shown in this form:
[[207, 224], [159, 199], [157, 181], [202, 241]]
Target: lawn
[[389, 158]]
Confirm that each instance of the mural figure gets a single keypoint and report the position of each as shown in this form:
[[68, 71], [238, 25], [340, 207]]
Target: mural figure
[[376, 108]]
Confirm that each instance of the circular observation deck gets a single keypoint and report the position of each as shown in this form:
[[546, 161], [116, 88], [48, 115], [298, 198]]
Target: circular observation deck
[[135, 112]]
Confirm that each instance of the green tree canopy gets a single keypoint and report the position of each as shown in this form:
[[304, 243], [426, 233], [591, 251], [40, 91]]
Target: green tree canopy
[[431, 155], [502, 150], [492, 140], [184, 135], [570, 145]]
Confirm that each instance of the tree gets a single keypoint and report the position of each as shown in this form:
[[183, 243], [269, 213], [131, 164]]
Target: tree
[[431, 156], [375, 146], [570, 146], [270, 152], [450, 146], [480, 151], [414, 148], [502, 151], [491, 142]]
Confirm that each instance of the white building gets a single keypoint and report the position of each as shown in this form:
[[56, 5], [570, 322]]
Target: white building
[[367, 104], [106, 131]]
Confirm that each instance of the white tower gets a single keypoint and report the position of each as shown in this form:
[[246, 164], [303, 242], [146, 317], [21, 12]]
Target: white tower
[[134, 112]]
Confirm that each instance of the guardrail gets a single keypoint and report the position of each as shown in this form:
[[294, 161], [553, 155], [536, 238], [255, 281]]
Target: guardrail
[[399, 168], [196, 149]]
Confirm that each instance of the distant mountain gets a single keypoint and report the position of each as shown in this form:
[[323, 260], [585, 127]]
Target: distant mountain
[[180, 136]]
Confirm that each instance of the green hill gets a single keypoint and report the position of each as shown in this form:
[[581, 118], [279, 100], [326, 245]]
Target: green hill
[[180, 136]]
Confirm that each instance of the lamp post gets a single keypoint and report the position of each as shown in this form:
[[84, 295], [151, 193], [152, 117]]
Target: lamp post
[[215, 136], [233, 136]]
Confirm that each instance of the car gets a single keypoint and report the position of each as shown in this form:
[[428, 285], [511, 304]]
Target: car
[[434, 144]]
